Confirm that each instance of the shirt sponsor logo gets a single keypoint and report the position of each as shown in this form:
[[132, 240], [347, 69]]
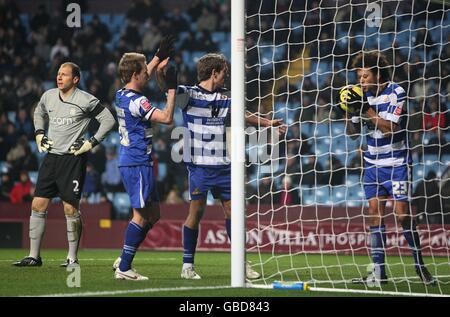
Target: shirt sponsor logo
[[62, 121]]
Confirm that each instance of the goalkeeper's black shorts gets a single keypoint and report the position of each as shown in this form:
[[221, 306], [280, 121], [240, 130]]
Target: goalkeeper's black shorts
[[61, 175]]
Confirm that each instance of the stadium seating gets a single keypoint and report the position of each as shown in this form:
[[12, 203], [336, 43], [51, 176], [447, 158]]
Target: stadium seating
[[112, 140], [33, 175], [325, 138]]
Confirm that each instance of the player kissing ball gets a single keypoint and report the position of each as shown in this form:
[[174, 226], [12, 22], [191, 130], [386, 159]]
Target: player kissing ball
[[351, 98]]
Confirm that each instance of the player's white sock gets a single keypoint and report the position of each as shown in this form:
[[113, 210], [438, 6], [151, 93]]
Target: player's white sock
[[37, 228], [186, 265], [74, 229]]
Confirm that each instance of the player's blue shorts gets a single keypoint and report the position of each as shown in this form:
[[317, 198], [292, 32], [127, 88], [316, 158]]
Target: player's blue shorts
[[387, 181], [204, 179], [139, 184]]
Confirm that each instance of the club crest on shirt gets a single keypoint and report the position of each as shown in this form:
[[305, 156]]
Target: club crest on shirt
[[145, 104]]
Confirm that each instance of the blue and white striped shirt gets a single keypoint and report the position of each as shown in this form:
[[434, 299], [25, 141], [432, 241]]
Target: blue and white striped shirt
[[205, 115], [133, 114], [389, 150]]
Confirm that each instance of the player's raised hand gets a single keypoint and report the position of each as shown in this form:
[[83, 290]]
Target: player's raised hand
[[166, 48], [44, 144]]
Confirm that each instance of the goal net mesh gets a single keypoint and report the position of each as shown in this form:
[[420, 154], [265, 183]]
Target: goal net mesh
[[306, 209]]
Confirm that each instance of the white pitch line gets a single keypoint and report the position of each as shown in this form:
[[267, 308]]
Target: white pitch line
[[356, 291], [133, 291], [112, 259]]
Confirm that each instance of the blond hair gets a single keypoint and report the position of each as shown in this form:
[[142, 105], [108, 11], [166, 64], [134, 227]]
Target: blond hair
[[129, 64]]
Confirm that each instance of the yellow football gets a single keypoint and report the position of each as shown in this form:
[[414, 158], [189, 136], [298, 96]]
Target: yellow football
[[351, 98]]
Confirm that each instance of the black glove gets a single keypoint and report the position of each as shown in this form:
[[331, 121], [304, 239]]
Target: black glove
[[44, 144], [76, 145], [81, 146], [166, 47], [171, 77]]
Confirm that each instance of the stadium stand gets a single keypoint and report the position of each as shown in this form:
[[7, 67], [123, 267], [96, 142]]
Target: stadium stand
[[28, 69]]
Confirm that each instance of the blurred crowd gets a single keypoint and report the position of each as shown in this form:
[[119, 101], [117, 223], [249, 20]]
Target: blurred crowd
[[32, 46], [31, 50]]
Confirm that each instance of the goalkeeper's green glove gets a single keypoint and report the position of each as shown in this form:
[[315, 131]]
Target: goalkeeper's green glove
[[81, 146], [166, 48], [42, 141]]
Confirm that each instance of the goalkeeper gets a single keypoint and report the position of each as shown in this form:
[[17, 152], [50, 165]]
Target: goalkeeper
[[206, 110], [386, 161], [68, 111]]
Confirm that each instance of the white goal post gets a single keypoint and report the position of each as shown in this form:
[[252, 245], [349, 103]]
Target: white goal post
[[301, 215]]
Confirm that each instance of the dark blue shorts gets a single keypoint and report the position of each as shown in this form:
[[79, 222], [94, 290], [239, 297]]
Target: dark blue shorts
[[387, 181], [139, 184], [204, 179]]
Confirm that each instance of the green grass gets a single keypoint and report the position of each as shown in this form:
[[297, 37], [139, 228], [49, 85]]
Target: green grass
[[163, 270]]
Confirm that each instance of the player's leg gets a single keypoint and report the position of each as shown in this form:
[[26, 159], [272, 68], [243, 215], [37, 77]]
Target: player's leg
[[141, 223], [71, 172], [400, 187], [74, 231], [45, 190], [199, 185], [412, 237], [249, 271], [140, 186], [222, 190], [38, 218], [376, 195], [376, 211], [138, 228], [226, 205], [190, 236]]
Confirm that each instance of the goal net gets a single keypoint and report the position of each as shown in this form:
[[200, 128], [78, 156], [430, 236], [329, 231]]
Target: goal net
[[306, 210]]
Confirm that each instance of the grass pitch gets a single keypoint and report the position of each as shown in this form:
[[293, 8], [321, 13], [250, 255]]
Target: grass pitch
[[163, 269]]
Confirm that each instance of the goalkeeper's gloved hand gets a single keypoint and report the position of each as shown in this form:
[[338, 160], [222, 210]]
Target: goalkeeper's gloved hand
[[42, 141], [81, 146], [165, 47], [171, 77]]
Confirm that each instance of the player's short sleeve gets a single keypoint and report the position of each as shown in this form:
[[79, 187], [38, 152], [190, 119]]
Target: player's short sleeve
[[397, 99], [142, 108]]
